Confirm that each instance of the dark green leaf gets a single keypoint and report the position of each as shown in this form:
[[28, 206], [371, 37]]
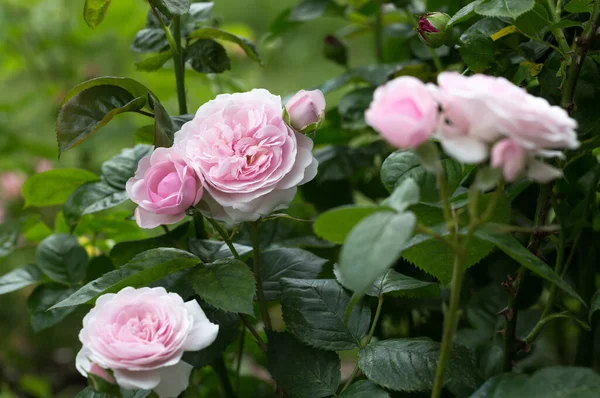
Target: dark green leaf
[[504, 8], [227, 284], [532, 22], [154, 61], [400, 166], [308, 10], [277, 264], [410, 364], [214, 33], [207, 56], [142, 270], [566, 23], [401, 285], [53, 187], [61, 258], [99, 266], [372, 247], [313, 310], [91, 198], [464, 14], [405, 195], [91, 109], [120, 168], [89, 392], [477, 47], [44, 297], [515, 250], [164, 129], [150, 40], [303, 372], [9, 236], [334, 225], [364, 389], [212, 250], [352, 108], [94, 11], [134, 87], [19, 278], [577, 6], [172, 7], [594, 304]]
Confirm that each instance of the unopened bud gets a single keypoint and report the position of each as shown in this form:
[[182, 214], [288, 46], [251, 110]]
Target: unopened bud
[[432, 28]]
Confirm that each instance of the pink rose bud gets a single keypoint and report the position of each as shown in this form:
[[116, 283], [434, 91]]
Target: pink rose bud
[[141, 335], [43, 165], [250, 160], [306, 110], [11, 183], [404, 112], [510, 157], [163, 187], [432, 29]]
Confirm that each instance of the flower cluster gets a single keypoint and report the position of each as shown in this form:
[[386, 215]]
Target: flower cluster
[[474, 117], [136, 339], [236, 160]]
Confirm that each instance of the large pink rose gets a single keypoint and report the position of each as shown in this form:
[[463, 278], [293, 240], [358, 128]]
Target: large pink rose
[[250, 160], [163, 187], [404, 112], [140, 335]]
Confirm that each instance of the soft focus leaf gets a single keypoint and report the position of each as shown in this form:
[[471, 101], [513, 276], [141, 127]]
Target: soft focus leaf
[[577, 6], [352, 108], [53, 187], [19, 278], [207, 56], [533, 21], [9, 236], [363, 389], [212, 250], [150, 40], [304, 372], [405, 195], [477, 47], [154, 62], [398, 284], [594, 304], [464, 14], [94, 11], [308, 10], [61, 258], [504, 8], [120, 168], [218, 34], [44, 297], [91, 198], [142, 270], [334, 225], [313, 310], [171, 7], [227, 284]]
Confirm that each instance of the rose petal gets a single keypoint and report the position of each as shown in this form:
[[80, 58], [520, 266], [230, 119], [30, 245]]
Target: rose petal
[[173, 380], [203, 332], [137, 380]]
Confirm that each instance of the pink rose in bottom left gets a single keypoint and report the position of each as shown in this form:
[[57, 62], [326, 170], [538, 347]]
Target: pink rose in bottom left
[[140, 335]]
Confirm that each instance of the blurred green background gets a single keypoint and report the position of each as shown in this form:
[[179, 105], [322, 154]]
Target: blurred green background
[[45, 49]]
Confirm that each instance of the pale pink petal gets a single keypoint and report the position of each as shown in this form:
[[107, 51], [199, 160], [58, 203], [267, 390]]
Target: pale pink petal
[[173, 380], [203, 332], [137, 380], [148, 220], [465, 149], [542, 172]]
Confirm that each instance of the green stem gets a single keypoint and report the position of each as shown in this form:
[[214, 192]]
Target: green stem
[[221, 231], [145, 113], [540, 326], [221, 370], [379, 31], [179, 66], [558, 33], [238, 366], [437, 61], [199, 226], [262, 303], [582, 45], [443, 188], [254, 333]]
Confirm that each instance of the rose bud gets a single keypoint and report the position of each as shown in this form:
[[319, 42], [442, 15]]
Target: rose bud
[[306, 110], [334, 50], [432, 29]]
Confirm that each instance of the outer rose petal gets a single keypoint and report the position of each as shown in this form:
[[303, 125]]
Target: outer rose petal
[[137, 380], [82, 362], [203, 333], [541, 172], [173, 380], [465, 149], [148, 220]]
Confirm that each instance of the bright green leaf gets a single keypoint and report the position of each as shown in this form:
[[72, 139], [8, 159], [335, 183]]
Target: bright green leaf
[[334, 225], [504, 8], [405, 195], [53, 187], [61, 258], [94, 11], [154, 62]]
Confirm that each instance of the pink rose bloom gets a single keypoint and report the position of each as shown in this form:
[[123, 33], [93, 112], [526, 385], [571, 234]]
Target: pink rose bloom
[[163, 187], [306, 108], [11, 183], [480, 109], [43, 165], [404, 112], [251, 162], [514, 160], [140, 335]]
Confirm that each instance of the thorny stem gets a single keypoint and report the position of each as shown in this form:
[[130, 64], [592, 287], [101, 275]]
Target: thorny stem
[[555, 13], [259, 286]]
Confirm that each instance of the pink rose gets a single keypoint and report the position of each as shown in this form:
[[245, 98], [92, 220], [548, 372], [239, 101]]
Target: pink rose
[[140, 335], [404, 112], [515, 160], [251, 162], [306, 108], [11, 183], [163, 187]]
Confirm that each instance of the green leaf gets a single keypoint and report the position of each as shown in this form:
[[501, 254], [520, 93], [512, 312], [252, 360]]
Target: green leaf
[[19, 278], [44, 297], [594, 303], [120, 168], [352, 108], [142, 270], [91, 198], [308, 10], [164, 129], [227, 284], [303, 372], [277, 264], [201, 12], [171, 8], [218, 34], [566, 23], [401, 285], [515, 250], [150, 40], [532, 22], [9, 236], [94, 11], [212, 250], [207, 56], [403, 165], [313, 310], [61, 258], [372, 247], [550, 382], [134, 87], [90, 110], [464, 14], [504, 8], [334, 225], [410, 364], [477, 47], [577, 6], [154, 62], [363, 389], [53, 187], [405, 195]]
